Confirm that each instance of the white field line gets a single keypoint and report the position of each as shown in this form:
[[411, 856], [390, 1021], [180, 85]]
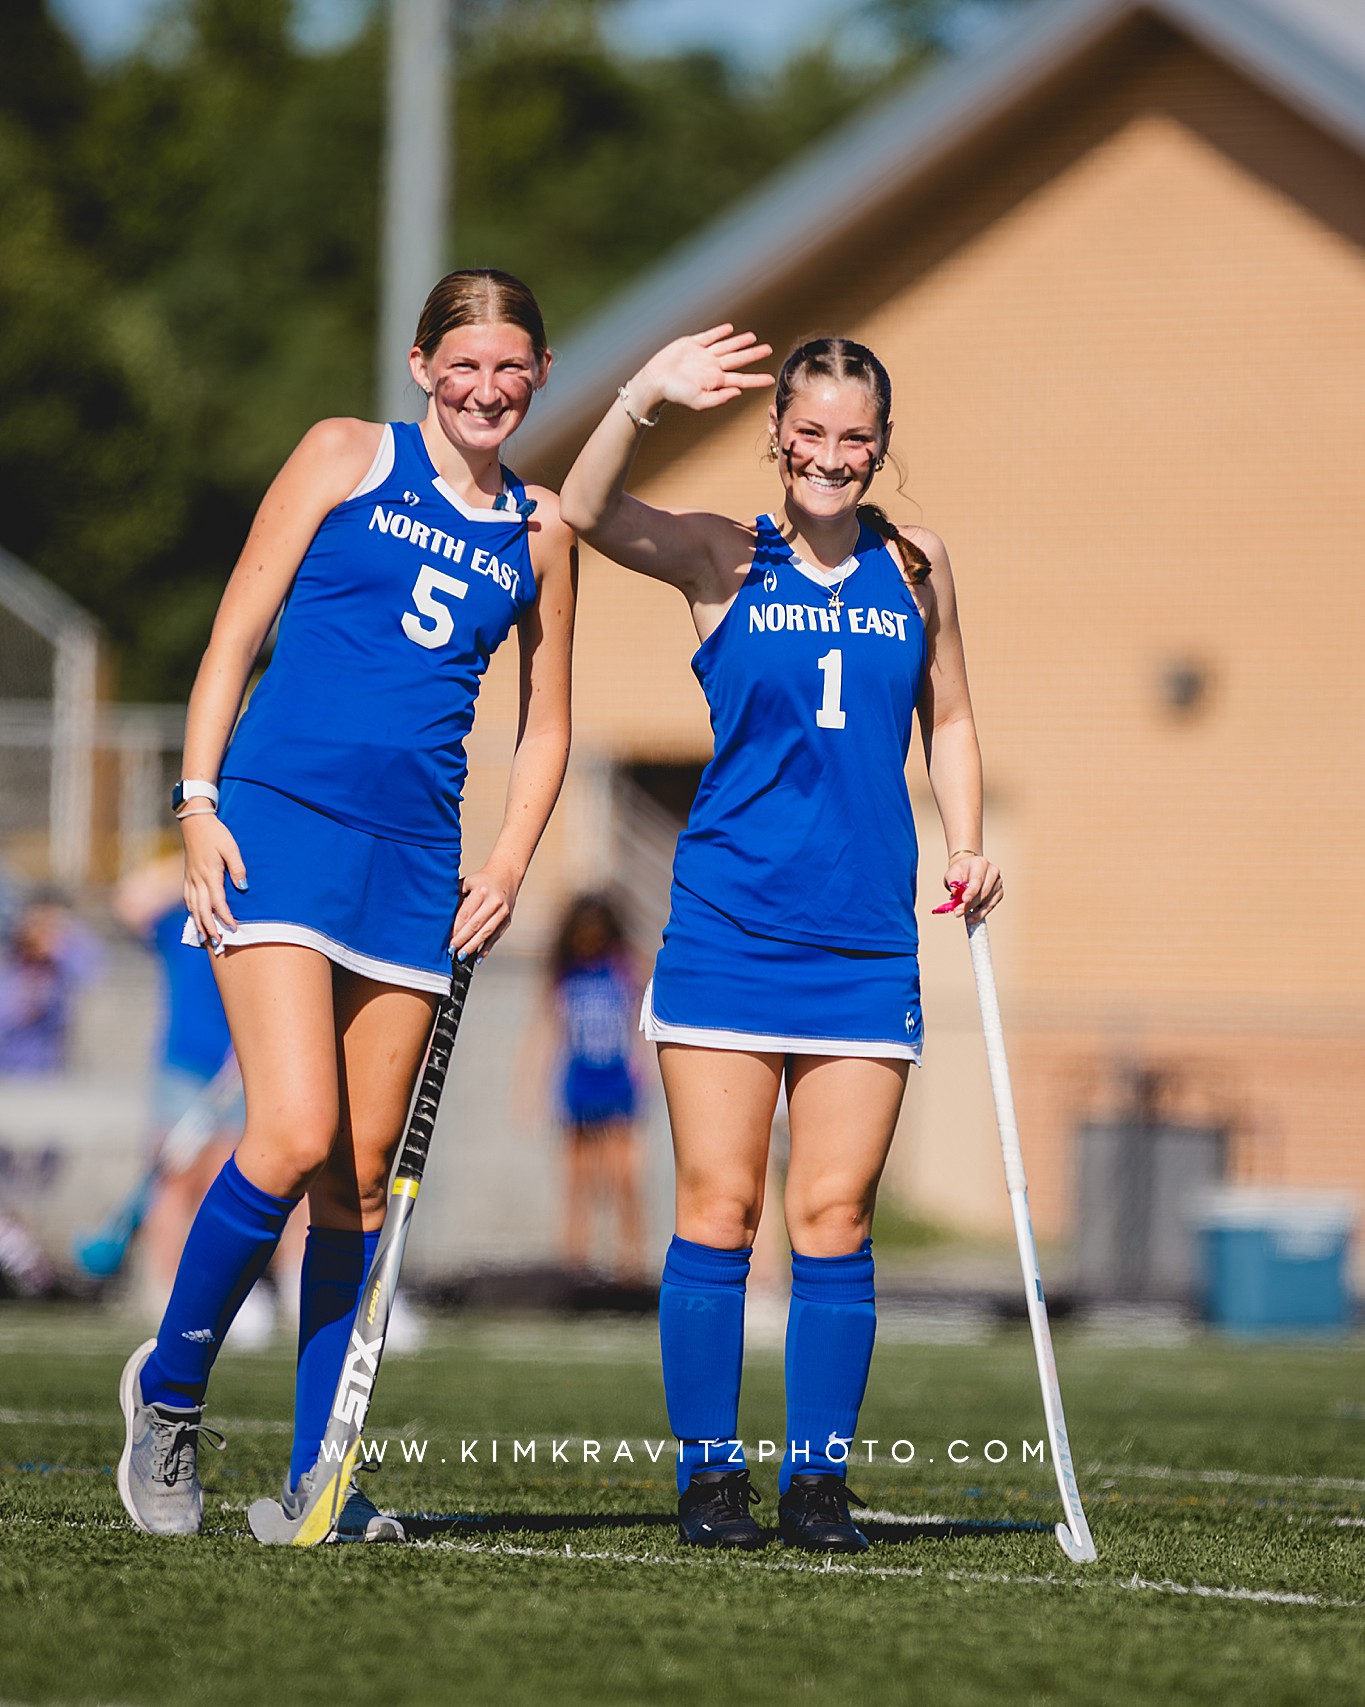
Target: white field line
[[568, 1554], [112, 1419], [1234, 1478], [1134, 1584], [931, 1517], [871, 1516], [887, 1518]]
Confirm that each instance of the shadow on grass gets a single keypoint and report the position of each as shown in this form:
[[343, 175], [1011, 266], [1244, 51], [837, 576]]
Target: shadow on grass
[[428, 1525]]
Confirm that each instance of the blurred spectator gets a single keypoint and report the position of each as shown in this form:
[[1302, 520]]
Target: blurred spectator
[[48, 956], [589, 1043], [25, 1271]]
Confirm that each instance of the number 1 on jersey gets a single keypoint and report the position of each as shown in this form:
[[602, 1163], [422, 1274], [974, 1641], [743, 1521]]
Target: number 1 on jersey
[[830, 714]]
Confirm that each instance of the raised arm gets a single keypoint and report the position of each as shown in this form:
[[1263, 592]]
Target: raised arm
[[545, 634], [951, 750], [687, 549], [327, 464]]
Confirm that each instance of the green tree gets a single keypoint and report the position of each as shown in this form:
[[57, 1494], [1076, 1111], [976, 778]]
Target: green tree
[[933, 25], [188, 263], [197, 285]]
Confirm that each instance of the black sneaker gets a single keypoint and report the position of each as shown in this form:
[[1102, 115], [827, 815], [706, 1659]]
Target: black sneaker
[[813, 1513], [714, 1511]]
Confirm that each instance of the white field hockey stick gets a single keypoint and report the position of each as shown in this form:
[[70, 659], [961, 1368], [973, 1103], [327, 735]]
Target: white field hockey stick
[[1074, 1535], [101, 1254], [355, 1390]]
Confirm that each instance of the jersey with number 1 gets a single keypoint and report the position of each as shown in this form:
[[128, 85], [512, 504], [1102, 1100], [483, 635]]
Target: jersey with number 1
[[399, 603], [802, 829]]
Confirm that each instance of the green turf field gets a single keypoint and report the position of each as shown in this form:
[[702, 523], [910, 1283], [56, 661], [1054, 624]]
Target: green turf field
[[1225, 1486]]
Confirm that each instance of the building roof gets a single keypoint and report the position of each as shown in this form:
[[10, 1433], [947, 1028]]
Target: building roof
[[1308, 53]]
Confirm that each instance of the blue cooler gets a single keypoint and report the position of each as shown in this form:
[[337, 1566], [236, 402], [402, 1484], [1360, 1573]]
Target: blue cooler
[[1275, 1259]]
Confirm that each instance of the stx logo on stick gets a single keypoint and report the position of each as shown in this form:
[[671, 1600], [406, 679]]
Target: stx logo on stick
[[357, 1379]]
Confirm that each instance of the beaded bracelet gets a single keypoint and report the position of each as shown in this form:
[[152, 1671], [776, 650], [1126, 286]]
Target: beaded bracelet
[[639, 420]]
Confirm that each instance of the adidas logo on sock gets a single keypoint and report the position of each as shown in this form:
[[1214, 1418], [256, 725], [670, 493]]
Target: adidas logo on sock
[[200, 1336]]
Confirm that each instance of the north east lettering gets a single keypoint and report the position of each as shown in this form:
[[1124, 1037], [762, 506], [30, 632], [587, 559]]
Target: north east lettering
[[774, 618], [399, 524]]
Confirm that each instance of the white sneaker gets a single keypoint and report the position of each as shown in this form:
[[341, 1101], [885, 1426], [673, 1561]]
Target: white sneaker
[[360, 1519], [158, 1473]]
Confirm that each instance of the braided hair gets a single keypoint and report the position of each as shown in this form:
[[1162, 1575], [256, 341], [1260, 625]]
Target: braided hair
[[843, 359]]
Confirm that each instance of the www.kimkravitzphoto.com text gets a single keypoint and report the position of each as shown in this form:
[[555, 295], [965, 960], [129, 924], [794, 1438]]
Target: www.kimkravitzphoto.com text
[[574, 1451]]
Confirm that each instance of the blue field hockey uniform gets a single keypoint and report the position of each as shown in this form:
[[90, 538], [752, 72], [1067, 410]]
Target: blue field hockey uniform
[[792, 931], [342, 783], [792, 925], [597, 1002], [342, 787]]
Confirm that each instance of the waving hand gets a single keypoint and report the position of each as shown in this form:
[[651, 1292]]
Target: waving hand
[[701, 371]]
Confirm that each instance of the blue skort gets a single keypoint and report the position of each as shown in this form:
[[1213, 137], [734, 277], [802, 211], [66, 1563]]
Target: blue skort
[[380, 908], [717, 985]]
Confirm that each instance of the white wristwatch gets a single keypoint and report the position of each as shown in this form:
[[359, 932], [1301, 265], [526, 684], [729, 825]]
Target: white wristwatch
[[189, 789]]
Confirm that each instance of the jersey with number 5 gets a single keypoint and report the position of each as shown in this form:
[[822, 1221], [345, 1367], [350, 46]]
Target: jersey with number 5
[[802, 829], [400, 601]]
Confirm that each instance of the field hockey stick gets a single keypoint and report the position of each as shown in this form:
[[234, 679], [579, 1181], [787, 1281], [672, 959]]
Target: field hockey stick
[[355, 1390], [1074, 1535], [101, 1254]]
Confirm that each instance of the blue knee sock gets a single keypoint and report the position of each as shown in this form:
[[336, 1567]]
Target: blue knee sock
[[233, 1237], [335, 1263], [830, 1330], [701, 1334]]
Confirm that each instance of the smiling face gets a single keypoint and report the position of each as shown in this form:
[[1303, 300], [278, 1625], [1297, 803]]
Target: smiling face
[[829, 439], [481, 379]]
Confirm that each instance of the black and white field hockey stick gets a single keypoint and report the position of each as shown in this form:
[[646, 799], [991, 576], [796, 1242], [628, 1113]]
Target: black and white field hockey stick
[[101, 1254], [1074, 1534], [355, 1390]]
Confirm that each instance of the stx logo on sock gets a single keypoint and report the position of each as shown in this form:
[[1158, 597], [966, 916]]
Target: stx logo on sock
[[357, 1379]]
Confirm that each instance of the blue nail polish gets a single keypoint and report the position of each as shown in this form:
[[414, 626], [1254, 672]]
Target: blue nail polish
[[243, 886], [460, 956]]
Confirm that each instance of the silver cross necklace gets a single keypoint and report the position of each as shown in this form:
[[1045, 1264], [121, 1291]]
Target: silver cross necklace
[[836, 603]]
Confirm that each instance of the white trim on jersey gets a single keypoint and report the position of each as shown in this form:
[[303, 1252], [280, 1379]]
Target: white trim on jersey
[[657, 1030], [825, 578], [380, 469], [468, 511], [304, 936]]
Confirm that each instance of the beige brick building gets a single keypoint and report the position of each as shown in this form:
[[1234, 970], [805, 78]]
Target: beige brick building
[[1116, 265]]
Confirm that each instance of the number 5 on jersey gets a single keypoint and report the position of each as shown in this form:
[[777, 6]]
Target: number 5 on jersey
[[831, 713], [441, 626]]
